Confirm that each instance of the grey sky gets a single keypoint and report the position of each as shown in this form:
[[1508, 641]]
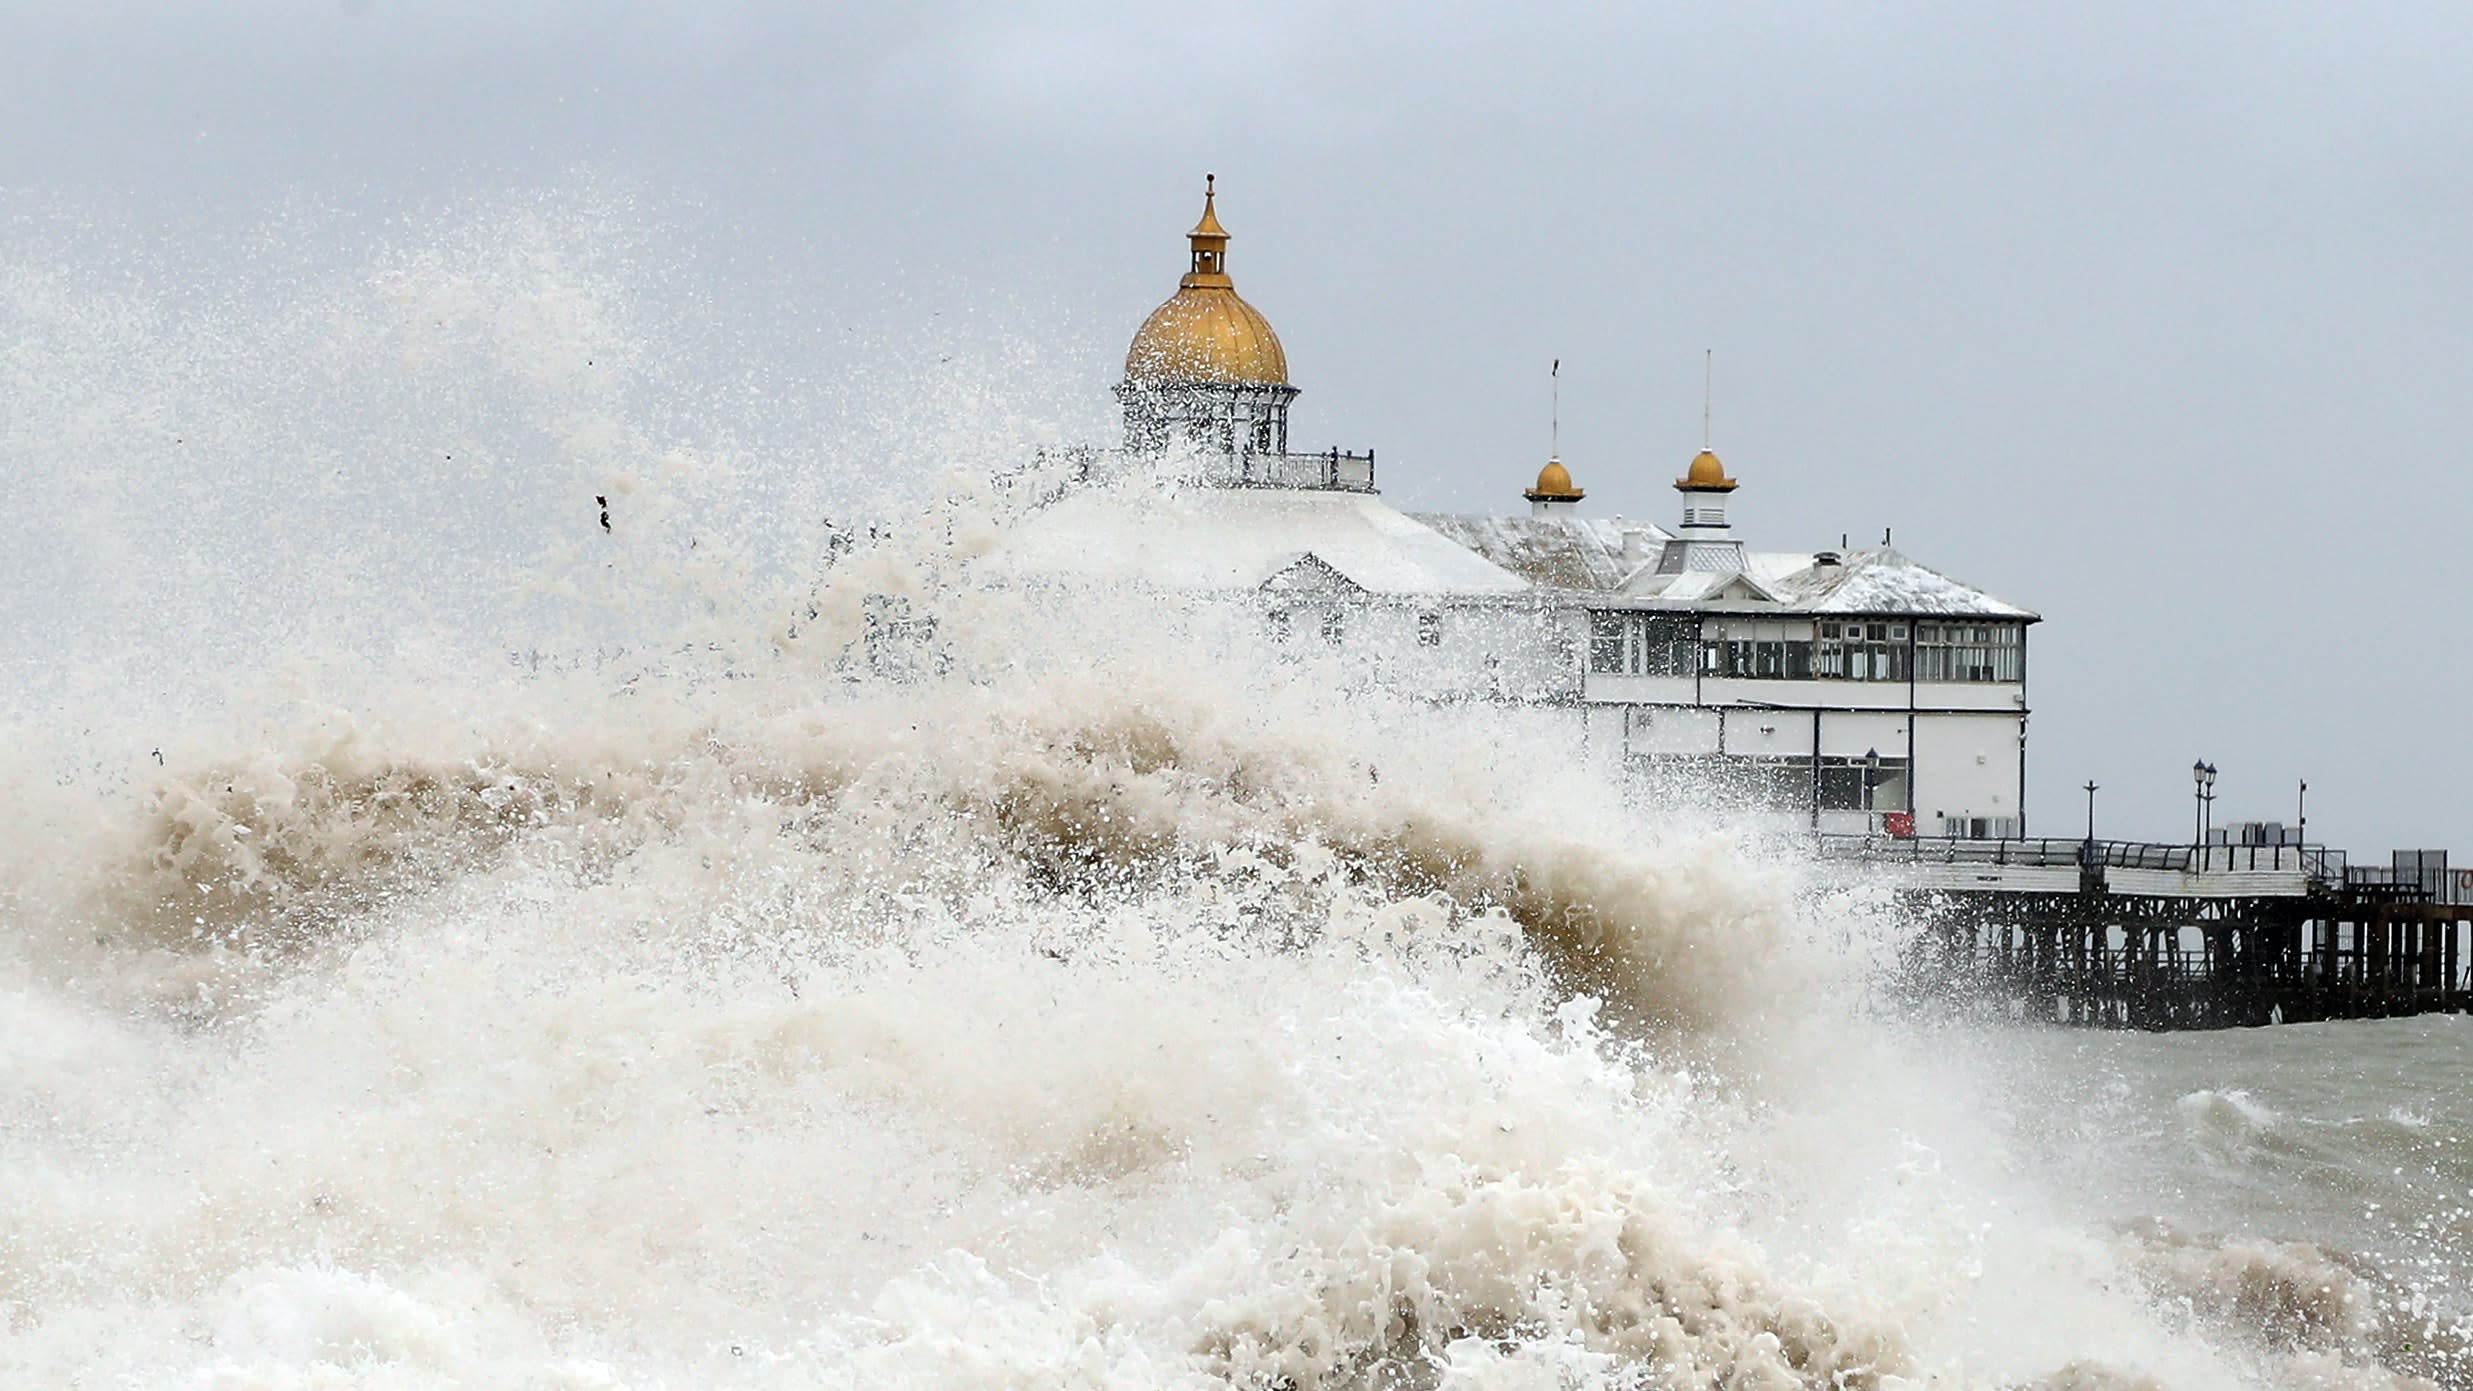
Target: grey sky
[[2152, 318]]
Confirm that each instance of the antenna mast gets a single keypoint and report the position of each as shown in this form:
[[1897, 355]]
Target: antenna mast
[[1554, 437], [1708, 381]]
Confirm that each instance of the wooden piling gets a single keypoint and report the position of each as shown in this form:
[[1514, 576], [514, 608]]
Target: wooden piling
[[2195, 962]]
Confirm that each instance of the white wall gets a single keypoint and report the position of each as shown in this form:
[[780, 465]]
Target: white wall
[[1673, 730], [1965, 765], [1845, 735], [1511, 652], [1970, 695]]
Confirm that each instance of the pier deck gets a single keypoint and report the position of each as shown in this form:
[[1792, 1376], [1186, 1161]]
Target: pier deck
[[2123, 935]]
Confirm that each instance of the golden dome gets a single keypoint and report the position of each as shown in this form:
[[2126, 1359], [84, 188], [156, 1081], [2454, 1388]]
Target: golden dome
[[1706, 475], [1554, 484], [1205, 335], [1206, 332]]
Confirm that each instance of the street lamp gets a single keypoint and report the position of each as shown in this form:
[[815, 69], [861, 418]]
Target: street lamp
[[2090, 812], [2203, 773]]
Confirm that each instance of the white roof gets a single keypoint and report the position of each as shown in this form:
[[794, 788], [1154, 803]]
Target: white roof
[[1219, 538], [1708, 587], [1242, 538], [1557, 551], [1878, 580]]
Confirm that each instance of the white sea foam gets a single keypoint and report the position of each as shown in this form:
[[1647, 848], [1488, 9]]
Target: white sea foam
[[1107, 1003], [2227, 1123]]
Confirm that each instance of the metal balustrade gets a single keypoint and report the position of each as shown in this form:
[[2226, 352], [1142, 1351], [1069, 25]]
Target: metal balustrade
[[2317, 862]]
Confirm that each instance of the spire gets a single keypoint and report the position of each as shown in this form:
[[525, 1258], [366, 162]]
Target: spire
[[1554, 492], [1708, 389], [1706, 474], [1210, 244], [1704, 485]]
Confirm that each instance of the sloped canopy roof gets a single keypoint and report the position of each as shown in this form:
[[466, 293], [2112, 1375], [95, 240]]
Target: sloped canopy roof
[[1556, 552], [1883, 580], [1240, 538]]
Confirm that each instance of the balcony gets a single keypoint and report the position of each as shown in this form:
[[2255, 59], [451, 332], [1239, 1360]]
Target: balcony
[[1332, 470]]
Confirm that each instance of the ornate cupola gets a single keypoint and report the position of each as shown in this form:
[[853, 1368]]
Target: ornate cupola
[[1705, 541], [1205, 369], [1554, 494], [1704, 487]]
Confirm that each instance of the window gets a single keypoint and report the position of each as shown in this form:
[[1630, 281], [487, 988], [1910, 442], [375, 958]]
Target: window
[[1970, 652], [1429, 630], [1277, 622], [1863, 784], [1760, 659], [1757, 649], [1663, 643], [1770, 783], [1643, 644], [1862, 651], [1606, 645], [1334, 624]]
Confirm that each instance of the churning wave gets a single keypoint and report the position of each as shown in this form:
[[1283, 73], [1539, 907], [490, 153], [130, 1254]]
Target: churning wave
[[1108, 1001], [1110, 1029]]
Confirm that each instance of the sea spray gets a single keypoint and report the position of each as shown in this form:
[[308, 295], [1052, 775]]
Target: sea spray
[[839, 1028], [1069, 989]]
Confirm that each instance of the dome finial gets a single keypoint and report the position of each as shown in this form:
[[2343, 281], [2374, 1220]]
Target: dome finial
[[1209, 241]]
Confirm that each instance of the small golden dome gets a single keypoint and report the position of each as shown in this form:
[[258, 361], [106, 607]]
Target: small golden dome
[[1706, 475], [1554, 484], [1206, 332]]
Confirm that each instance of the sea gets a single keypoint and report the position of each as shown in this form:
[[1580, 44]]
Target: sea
[[450, 940]]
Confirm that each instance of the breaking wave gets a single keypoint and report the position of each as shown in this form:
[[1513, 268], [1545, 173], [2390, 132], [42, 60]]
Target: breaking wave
[[2229, 1124], [1095, 996]]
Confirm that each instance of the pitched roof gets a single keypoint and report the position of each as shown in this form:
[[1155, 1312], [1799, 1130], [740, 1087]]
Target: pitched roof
[[1557, 552], [1241, 538], [1246, 538], [1882, 580]]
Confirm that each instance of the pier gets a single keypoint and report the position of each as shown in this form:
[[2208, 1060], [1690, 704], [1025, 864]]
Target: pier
[[2115, 934]]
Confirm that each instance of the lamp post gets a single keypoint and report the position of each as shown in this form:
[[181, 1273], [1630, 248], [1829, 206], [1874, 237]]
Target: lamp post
[[2301, 812], [2087, 872], [2203, 774]]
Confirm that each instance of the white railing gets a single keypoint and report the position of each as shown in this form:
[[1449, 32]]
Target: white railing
[[2316, 862], [1331, 469]]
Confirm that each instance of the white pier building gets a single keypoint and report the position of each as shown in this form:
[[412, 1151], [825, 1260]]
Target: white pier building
[[1853, 691]]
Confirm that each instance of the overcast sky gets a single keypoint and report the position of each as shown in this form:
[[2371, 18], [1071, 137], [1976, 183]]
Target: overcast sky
[[2151, 318]]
